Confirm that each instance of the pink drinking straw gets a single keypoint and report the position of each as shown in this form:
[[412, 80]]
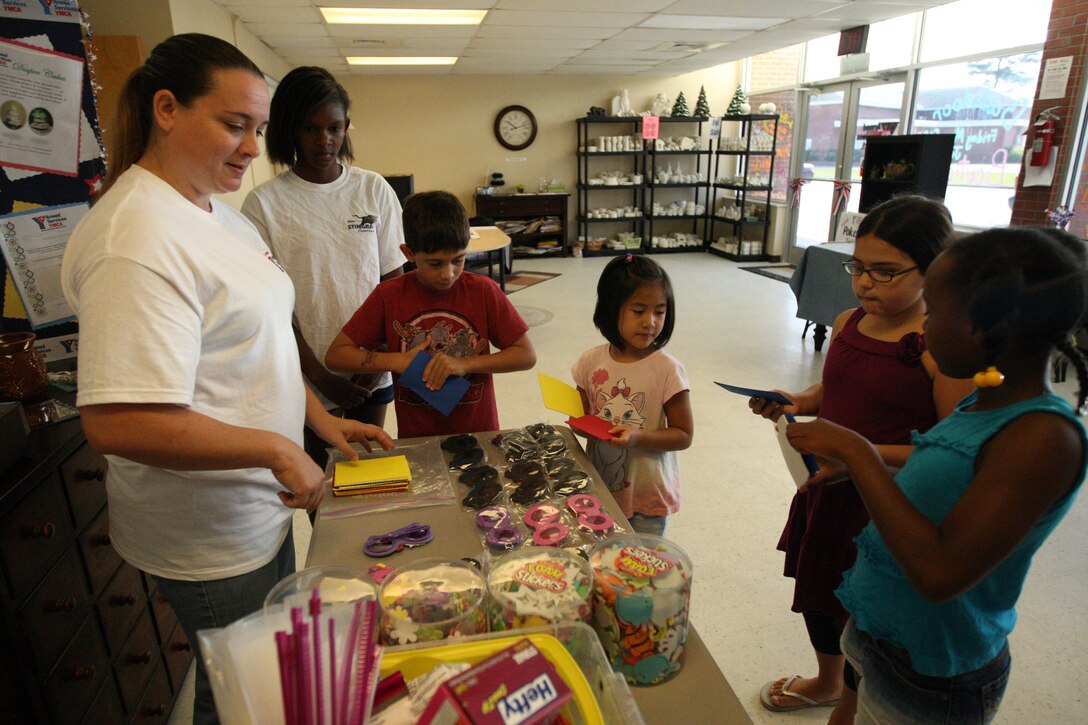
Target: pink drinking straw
[[332, 672], [364, 689], [306, 691], [319, 690], [285, 678], [302, 671], [344, 683]]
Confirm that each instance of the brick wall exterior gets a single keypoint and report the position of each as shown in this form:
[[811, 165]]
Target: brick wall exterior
[[777, 69], [1067, 36]]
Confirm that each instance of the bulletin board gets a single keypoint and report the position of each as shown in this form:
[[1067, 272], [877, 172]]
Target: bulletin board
[[54, 30]]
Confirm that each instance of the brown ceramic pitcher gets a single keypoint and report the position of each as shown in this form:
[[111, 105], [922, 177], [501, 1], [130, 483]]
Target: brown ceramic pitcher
[[22, 368]]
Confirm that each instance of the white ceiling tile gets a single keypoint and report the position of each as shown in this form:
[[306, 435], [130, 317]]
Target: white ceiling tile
[[528, 31], [754, 8], [515, 53], [401, 31], [677, 36], [270, 3], [611, 6], [567, 19], [614, 43], [613, 53], [709, 22], [279, 30], [286, 15], [861, 13], [531, 43], [289, 43], [433, 4]]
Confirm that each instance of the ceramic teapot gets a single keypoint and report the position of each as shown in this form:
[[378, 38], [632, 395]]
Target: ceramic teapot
[[22, 368]]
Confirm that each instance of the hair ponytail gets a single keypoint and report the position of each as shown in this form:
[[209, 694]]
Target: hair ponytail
[[182, 64]]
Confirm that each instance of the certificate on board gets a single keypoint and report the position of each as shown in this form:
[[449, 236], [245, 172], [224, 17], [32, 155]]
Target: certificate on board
[[40, 95], [33, 247]]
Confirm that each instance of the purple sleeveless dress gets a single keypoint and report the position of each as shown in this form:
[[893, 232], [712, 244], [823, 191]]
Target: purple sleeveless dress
[[881, 390]]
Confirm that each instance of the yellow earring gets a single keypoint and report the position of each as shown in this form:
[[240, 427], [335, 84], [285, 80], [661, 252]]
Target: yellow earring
[[990, 378]]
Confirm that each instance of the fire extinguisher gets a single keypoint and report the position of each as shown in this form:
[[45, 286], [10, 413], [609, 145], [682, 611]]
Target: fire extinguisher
[[1045, 125]]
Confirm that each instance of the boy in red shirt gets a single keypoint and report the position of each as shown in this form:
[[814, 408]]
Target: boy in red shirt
[[455, 316]]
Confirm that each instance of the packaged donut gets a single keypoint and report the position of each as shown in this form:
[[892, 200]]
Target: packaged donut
[[641, 591], [537, 586]]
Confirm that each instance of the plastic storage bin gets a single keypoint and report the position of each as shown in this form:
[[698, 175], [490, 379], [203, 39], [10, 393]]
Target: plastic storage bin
[[641, 593], [607, 700], [432, 599], [538, 585]]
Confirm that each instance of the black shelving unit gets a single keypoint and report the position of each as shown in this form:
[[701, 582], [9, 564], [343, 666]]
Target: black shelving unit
[[916, 163], [696, 192], [589, 129], [744, 193]]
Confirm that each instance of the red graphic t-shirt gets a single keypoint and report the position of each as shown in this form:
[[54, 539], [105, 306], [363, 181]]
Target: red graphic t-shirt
[[466, 320]]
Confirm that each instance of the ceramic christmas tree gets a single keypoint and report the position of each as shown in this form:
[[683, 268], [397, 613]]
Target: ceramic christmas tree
[[738, 99], [680, 108], [702, 108]]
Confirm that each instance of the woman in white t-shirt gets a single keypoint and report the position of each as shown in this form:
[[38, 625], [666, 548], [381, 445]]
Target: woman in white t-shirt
[[189, 375], [335, 228]]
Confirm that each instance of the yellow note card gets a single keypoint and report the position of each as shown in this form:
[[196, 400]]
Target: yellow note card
[[560, 397], [371, 470]]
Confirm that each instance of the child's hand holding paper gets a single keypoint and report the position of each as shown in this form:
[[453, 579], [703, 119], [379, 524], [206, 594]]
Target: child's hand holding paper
[[563, 398]]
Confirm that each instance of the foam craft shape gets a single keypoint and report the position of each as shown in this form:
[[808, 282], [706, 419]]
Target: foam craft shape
[[755, 393], [594, 426], [560, 396], [371, 470], [446, 398]]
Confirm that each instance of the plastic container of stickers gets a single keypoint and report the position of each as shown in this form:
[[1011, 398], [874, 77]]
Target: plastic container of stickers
[[538, 585], [432, 599], [641, 592]]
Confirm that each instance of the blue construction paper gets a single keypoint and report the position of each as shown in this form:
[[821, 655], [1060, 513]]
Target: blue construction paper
[[753, 393], [446, 398]]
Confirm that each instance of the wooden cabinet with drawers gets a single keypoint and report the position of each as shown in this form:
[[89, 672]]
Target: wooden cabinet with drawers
[[87, 638]]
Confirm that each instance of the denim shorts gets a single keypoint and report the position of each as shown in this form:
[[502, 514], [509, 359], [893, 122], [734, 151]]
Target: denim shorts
[[892, 693], [649, 524]]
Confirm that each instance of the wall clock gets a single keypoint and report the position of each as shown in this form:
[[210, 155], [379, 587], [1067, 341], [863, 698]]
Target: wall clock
[[515, 127]]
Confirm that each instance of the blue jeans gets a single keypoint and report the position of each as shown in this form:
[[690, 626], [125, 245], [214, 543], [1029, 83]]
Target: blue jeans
[[892, 693], [217, 603], [649, 524]]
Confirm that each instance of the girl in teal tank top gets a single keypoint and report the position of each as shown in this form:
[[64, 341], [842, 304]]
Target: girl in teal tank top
[[932, 595]]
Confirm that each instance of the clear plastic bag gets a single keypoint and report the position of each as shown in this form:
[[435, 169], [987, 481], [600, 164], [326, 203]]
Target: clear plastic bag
[[430, 484]]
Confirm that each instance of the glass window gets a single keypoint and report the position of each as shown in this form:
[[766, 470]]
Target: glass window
[[891, 42], [976, 26], [786, 107], [987, 105], [822, 58]]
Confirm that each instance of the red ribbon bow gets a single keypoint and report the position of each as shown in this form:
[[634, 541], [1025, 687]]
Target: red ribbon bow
[[842, 196], [626, 391], [795, 187]]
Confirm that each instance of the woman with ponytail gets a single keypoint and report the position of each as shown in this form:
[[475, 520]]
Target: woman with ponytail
[[189, 380]]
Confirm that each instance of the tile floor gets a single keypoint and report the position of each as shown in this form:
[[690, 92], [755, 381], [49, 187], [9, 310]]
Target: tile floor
[[740, 327]]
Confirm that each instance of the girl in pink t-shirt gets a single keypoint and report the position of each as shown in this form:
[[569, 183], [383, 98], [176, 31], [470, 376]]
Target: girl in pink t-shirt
[[643, 391]]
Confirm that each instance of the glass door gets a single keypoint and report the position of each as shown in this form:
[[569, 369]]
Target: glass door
[[836, 119]]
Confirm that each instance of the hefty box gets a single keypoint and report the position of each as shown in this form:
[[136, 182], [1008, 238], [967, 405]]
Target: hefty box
[[516, 686]]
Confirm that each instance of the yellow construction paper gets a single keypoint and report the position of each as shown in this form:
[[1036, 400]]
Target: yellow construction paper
[[371, 470], [560, 397]]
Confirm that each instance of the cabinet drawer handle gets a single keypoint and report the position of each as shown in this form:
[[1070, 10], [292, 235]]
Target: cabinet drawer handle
[[64, 604], [87, 474], [83, 673], [154, 711], [122, 600], [181, 647], [40, 531], [144, 658]]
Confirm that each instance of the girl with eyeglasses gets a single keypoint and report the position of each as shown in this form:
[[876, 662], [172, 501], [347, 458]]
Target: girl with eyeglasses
[[932, 595], [881, 382]]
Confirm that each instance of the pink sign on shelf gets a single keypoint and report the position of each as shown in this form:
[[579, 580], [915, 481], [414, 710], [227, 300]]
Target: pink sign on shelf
[[650, 126]]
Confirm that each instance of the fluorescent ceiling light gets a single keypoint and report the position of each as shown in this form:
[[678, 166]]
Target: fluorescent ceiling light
[[400, 60], [394, 16]]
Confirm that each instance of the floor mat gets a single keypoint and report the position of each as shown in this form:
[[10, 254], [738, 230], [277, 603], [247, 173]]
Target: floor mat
[[781, 272], [519, 280]]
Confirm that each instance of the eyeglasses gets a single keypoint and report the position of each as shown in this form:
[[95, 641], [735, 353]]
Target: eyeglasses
[[854, 269]]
